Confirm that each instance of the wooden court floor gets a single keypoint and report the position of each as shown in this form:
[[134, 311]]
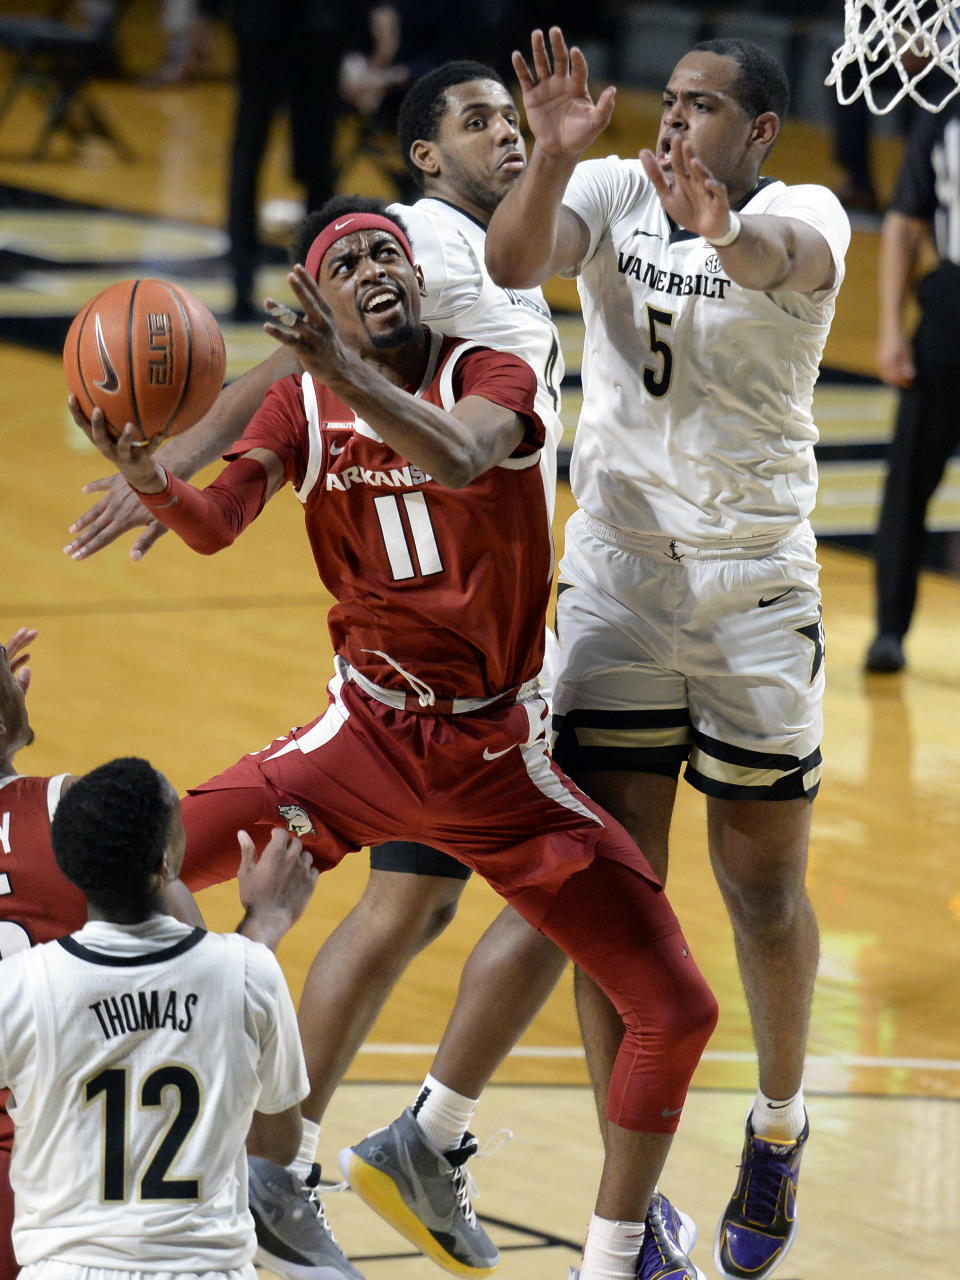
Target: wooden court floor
[[180, 660], [176, 658]]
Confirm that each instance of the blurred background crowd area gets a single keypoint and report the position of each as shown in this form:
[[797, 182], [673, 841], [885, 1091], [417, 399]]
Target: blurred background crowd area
[[378, 49]]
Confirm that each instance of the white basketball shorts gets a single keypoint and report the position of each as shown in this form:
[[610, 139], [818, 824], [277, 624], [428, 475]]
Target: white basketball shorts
[[670, 653]]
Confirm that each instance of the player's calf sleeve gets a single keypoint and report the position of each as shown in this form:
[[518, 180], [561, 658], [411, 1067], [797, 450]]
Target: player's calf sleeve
[[666, 1032]]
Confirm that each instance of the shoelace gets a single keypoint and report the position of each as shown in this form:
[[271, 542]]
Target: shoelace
[[764, 1178], [313, 1189], [464, 1185]]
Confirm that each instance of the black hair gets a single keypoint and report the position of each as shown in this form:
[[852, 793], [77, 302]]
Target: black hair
[[110, 832], [424, 105], [315, 221], [762, 83]]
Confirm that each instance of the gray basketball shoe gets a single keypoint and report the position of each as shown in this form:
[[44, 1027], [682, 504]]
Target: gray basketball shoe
[[293, 1236], [423, 1193]]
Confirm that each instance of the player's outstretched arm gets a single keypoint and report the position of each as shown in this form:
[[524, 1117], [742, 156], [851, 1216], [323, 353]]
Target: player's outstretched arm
[[274, 888], [119, 510], [206, 519], [453, 447], [767, 252], [564, 121]]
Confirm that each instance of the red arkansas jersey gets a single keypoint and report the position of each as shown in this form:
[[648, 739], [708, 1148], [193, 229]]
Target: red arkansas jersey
[[37, 901], [452, 584]]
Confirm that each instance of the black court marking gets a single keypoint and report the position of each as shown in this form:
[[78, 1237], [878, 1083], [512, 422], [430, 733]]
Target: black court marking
[[537, 1239]]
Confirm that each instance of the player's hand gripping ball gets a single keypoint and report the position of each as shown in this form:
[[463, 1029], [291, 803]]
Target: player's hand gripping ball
[[146, 352]]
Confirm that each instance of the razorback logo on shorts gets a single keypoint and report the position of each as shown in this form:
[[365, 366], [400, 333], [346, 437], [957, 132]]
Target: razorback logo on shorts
[[297, 819]]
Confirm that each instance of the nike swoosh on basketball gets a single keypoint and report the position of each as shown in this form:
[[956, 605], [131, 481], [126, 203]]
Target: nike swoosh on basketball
[[338, 226], [492, 755], [763, 602], [109, 383]]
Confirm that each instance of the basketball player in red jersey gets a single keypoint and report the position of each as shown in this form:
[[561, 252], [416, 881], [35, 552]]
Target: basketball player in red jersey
[[416, 460], [38, 903]]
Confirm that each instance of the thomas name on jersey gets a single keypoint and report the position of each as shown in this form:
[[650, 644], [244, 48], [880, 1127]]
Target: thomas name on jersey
[[142, 1012], [662, 281]]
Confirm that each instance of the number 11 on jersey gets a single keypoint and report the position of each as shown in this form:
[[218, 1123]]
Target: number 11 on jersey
[[403, 542]]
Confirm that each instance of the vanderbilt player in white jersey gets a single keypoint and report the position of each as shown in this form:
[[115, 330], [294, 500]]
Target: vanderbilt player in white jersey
[[140, 1053], [689, 612], [459, 132]]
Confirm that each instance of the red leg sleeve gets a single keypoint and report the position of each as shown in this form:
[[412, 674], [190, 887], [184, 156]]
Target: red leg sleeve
[[624, 934]]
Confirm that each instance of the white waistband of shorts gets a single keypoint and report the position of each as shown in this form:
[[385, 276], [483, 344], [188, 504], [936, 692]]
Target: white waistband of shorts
[[657, 544], [400, 699]]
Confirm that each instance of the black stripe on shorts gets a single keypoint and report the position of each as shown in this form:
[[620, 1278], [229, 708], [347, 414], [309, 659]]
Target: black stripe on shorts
[[738, 773], [638, 741]]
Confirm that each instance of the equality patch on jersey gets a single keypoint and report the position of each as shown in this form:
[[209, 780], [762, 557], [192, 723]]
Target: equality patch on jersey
[[736, 773], [656, 741], [297, 819]]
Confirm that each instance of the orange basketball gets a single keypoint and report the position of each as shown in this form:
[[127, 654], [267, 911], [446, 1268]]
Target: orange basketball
[[146, 352]]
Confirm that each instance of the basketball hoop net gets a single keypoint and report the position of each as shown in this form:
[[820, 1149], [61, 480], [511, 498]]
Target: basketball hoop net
[[911, 37]]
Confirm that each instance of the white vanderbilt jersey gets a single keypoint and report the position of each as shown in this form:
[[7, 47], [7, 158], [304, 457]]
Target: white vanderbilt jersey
[[697, 394], [462, 301], [137, 1055]]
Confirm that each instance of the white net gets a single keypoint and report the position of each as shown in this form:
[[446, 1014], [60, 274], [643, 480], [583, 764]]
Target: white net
[[902, 48]]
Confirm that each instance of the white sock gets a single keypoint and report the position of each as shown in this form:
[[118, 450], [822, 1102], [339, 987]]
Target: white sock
[[781, 1119], [306, 1157], [611, 1250], [443, 1114]]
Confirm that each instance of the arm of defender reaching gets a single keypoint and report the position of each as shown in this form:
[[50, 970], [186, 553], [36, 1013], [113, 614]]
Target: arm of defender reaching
[[759, 251], [564, 120], [206, 519], [119, 509]]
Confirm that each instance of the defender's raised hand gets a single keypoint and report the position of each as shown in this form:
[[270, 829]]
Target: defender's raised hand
[[562, 115], [275, 886], [689, 192]]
